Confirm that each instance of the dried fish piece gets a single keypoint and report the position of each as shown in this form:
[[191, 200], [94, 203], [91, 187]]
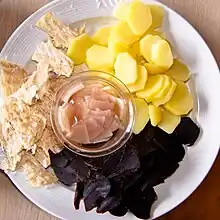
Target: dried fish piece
[[59, 33], [49, 141], [80, 68], [34, 84], [54, 84], [26, 124], [42, 157], [21, 129], [19, 135], [12, 76], [35, 172], [11, 163], [61, 64]]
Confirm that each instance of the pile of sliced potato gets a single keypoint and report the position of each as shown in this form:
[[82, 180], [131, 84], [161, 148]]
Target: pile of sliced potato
[[137, 53]]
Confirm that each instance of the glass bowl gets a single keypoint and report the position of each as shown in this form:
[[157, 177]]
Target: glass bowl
[[120, 137]]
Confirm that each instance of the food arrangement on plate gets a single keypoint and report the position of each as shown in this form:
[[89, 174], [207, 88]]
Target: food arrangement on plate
[[108, 112]]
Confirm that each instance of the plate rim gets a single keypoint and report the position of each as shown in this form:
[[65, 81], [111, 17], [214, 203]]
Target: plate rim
[[44, 9]]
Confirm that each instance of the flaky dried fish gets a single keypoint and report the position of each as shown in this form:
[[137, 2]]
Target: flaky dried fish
[[21, 130], [26, 134], [34, 84], [59, 33], [80, 68], [59, 63], [42, 157], [35, 172], [49, 141], [12, 76]]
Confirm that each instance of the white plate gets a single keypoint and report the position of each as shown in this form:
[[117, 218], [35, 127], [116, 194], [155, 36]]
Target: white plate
[[192, 49]]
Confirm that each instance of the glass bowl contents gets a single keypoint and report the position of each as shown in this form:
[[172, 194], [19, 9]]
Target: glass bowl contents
[[93, 114]]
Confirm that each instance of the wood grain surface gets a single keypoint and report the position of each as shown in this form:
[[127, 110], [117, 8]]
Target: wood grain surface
[[204, 203]]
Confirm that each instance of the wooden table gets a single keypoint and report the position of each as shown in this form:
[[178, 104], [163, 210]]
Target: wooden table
[[204, 204]]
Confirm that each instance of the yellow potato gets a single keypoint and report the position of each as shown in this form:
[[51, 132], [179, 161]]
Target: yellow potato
[[134, 50], [169, 122], [102, 35], [99, 57], [122, 34], [139, 17], [106, 70], [146, 46], [153, 69], [141, 116], [121, 11], [161, 54], [78, 47], [179, 71], [158, 33], [141, 79], [140, 60], [166, 97], [116, 48], [165, 89], [153, 86], [157, 16], [181, 102], [126, 68], [156, 114]]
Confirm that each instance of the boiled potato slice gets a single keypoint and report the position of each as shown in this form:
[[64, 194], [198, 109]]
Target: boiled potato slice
[[106, 70], [139, 17], [167, 97], [121, 11], [179, 71], [78, 47], [141, 79], [165, 89], [169, 122], [153, 86], [116, 48], [153, 69], [141, 116], [102, 35], [155, 114], [161, 54], [146, 46], [134, 50], [158, 33], [181, 102], [126, 68], [157, 16], [99, 57], [122, 34]]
